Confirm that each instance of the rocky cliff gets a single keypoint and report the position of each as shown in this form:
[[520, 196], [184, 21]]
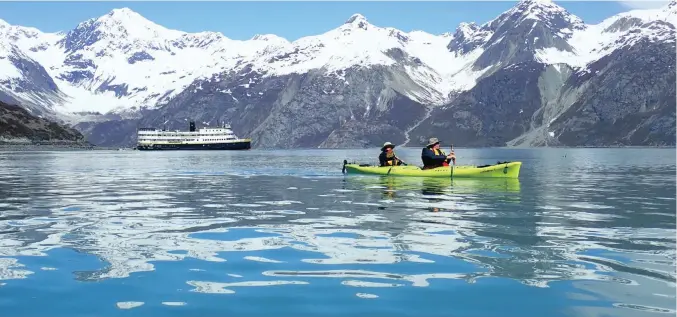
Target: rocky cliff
[[18, 125]]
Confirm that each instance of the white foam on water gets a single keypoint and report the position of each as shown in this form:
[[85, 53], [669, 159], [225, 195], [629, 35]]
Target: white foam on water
[[366, 295], [223, 288], [585, 205], [246, 205], [548, 207], [343, 190], [367, 204], [128, 305], [357, 283], [281, 202], [261, 259], [174, 303]]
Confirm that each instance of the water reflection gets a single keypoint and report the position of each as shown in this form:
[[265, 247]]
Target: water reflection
[[435, 191], [203, 230]]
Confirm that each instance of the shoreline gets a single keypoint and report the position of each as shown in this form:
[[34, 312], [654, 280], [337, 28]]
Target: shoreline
[[8, 146]]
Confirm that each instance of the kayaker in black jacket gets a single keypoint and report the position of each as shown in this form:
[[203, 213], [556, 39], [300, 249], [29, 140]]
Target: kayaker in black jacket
[[387, 157], [433, 157]]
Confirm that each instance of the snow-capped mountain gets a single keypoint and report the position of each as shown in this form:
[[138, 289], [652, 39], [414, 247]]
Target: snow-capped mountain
[[506, 81]]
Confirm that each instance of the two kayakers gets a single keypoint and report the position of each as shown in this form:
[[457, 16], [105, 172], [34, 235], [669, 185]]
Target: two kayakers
[[387, 157], [432, 156]]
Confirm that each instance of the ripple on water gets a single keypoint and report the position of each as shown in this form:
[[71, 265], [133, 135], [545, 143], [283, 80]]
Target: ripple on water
[[645, 308], [128, 305], [366, 295], [223, 288], [327, 239]]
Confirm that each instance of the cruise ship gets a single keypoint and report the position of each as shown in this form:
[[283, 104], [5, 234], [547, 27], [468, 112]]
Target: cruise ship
[[217, 138]]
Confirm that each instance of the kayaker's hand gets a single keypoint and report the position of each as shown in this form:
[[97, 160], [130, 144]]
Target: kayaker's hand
[[451, 156]]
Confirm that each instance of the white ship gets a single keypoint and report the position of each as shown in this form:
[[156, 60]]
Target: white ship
[[217, 138]]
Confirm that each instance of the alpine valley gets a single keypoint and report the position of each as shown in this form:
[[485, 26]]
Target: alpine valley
[[536, 75]]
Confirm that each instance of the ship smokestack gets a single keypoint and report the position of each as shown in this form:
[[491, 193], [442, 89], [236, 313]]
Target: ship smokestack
[[192, 126]]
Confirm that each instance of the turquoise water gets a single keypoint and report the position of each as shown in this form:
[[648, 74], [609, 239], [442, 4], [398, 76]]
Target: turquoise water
[[583, 232]]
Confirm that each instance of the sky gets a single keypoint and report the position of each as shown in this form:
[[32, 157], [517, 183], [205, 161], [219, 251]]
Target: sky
[[291, 20]]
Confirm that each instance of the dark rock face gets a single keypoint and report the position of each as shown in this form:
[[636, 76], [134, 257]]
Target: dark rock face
[[468, 36], [362, 108], [110, 133], [629, 101], [625, 98], [498, 109], [85, 34], [35, 85], [17, 122], [119, 90], [140, 57]]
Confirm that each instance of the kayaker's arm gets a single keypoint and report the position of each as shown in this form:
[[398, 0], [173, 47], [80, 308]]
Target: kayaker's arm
[[451, 156], [401, 161]]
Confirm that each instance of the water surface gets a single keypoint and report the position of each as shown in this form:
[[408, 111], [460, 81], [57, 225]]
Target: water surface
[[583, 232]]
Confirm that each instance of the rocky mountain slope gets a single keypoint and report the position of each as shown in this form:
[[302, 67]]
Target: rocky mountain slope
[[536, 75], [18, 125]]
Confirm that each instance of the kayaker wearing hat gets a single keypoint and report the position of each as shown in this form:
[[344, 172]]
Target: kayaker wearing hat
[[433, 157], [387, 157]]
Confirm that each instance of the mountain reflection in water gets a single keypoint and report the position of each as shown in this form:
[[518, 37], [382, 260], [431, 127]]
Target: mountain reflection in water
[[215, 233]]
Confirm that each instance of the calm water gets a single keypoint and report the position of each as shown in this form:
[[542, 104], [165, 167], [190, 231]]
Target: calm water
[[583, 232]]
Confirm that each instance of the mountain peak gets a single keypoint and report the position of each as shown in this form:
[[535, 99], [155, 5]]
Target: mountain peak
[[530, 6], [123, 12], [536, 2], [356, 18], [124, 22], [128, 18], [117, 28], [358, 21], [267, 38], [540, 10]]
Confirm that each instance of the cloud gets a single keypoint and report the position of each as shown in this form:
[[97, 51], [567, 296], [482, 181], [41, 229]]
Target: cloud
[[644, 4]]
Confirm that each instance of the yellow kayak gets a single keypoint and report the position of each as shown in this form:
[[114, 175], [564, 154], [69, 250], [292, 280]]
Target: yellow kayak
[[499, 170]]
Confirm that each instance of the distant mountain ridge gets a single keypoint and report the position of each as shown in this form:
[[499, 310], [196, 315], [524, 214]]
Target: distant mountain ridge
[[536, 75]]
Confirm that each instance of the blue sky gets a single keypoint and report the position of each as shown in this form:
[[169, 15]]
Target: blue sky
[[242, 20]]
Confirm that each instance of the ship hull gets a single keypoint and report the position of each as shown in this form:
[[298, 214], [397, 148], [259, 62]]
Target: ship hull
[[230, 146]]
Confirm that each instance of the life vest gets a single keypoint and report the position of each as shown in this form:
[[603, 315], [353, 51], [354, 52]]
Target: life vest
[[440, 152], [390, 159]]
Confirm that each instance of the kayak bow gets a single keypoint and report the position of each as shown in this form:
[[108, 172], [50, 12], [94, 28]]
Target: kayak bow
[[498, 170]]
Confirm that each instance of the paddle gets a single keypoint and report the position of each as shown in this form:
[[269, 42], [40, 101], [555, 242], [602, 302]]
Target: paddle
[[343, 170], [453, 161]]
